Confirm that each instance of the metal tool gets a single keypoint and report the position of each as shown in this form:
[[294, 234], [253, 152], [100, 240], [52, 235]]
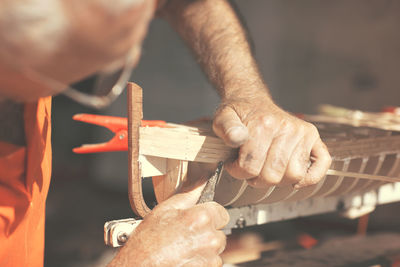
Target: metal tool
[[117, 232], [209, 190]]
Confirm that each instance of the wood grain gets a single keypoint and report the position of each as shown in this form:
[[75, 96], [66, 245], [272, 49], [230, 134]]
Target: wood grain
[[191, 146], [135, 115]]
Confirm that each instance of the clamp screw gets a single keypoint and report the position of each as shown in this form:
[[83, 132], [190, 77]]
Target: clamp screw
[[122, 237], [240, 223]]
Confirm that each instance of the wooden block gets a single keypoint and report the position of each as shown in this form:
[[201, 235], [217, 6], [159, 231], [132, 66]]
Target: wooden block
[[152, 166], [168, 184]]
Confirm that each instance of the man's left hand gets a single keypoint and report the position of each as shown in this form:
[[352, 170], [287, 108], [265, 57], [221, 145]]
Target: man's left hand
[[275, 148]]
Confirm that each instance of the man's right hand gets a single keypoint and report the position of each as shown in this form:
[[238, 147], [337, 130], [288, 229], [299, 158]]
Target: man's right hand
[[178, 233]]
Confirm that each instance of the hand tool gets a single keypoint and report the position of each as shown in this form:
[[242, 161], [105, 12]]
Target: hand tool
[[117, 125], [209, 190], [117, 232]]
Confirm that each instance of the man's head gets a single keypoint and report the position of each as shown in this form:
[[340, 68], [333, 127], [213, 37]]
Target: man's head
[[65, 41]]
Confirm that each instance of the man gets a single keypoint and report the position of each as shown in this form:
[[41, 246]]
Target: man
[[46, 44]]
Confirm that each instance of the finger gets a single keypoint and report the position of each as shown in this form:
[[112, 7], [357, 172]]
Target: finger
[[228, 126], [213, 242], [197, 261], [321, 161], [299, 161], [276, 161], [221, 245], [209, 213], [252, 155], [186, 199], [250, 160], [216, 262], [202, 261]]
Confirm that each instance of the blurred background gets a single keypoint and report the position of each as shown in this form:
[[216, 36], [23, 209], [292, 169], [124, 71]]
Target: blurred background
[[310, 52]]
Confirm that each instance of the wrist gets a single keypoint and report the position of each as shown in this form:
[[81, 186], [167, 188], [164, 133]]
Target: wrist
[[131, 254], [255, 92]]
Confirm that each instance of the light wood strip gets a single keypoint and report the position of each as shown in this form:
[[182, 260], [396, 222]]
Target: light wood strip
[[364, 147], [364, 176], [169, 143]]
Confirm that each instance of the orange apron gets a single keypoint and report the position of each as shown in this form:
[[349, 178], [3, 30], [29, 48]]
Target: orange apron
[[25, 174]]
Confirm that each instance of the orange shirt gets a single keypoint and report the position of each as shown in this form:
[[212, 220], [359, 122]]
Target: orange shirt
[[25, 178], [24, 182]]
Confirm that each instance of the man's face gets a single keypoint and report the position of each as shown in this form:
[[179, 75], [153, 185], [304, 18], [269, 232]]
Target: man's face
[[65, 41]]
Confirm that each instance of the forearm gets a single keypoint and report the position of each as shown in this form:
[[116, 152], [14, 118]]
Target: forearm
[[275, 147], [218, 40]]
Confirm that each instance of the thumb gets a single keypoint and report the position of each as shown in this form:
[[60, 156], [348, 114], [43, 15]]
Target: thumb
[[228, 126], [186, 199]]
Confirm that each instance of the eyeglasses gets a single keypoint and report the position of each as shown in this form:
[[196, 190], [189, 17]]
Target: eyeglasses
[[107, 88]]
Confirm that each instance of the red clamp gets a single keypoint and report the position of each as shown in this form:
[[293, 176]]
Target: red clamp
[[117, 125], [391, 109]]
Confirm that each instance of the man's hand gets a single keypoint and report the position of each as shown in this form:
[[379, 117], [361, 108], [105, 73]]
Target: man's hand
[[275, 147], [178, 233]]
